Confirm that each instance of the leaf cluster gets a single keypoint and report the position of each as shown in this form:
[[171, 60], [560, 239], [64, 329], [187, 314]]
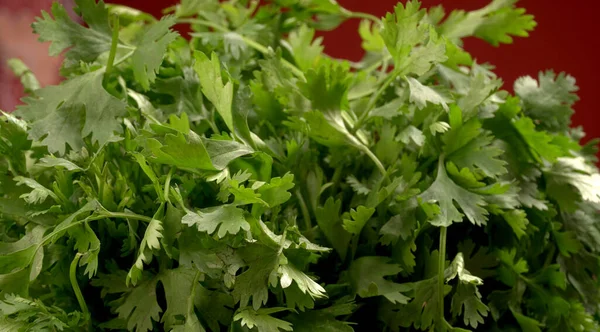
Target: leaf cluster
[[242, 180]]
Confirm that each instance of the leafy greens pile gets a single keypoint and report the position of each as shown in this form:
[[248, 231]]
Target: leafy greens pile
[[242, 180]]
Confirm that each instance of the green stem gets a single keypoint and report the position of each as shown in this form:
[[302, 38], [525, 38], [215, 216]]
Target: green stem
[[125, 57], [550, 256], [114, 43], [55, 196], [121, 215], [257, 46], [304, 209], [205, 23], [282, 242], [337, 176], [441, 270], [63, 199], [212, 123], [366, 16], [377, 64], [190, 303], [253, 5], [447, 326], [374, 98], [381, 90], [75, 285], [375, 160], [103, 215], [168, 184]]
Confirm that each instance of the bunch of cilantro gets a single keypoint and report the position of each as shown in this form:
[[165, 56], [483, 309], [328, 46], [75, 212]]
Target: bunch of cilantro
[[242, 180]]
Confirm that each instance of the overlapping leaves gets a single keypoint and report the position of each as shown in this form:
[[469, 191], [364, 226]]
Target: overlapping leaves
[[246, 181]]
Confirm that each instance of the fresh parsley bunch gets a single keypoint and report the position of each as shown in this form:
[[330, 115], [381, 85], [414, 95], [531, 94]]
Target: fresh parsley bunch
[[242, 180]]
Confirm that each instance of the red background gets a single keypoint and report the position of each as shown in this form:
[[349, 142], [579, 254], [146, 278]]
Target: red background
[[566, 39]]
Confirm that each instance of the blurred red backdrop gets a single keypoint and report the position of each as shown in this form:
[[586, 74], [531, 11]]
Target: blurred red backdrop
[[565, 39]]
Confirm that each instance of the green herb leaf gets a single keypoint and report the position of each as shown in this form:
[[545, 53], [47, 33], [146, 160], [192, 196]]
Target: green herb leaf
[[367, 275], [445, 192], [66, 114]]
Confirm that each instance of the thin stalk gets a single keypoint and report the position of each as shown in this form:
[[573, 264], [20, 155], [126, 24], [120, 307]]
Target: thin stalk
[[75, 285], [257, 46], [375, 160], [441, 268], [213, 126], [168, 184], [114, 43], [103, 215], [366, 16], [282, 242], [101, 187], [550, 256], [203, 23], [373, 100], [55, 196], [125, 57], [304, 209], [381, 90], [337, 176], [253, 5], [64, 200], [57, 188], [151, 118], [377, 64], [190, 302], [43, 308], [122, 215], [212, 123]]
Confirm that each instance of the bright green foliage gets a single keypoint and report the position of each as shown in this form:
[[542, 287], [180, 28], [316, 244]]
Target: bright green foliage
[[228, 218], [495, 23], [549, 99], [445, 192], [413, 43], [466, 302], [150, 241], [367, 275], [148, 54], [329, 220], [219, 94], [68, 113], [20, 314], [306, 49], [261, 320], [421, 95], [360, 216], [84, 44], [140, 307], [243, 180], [324, 319]]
